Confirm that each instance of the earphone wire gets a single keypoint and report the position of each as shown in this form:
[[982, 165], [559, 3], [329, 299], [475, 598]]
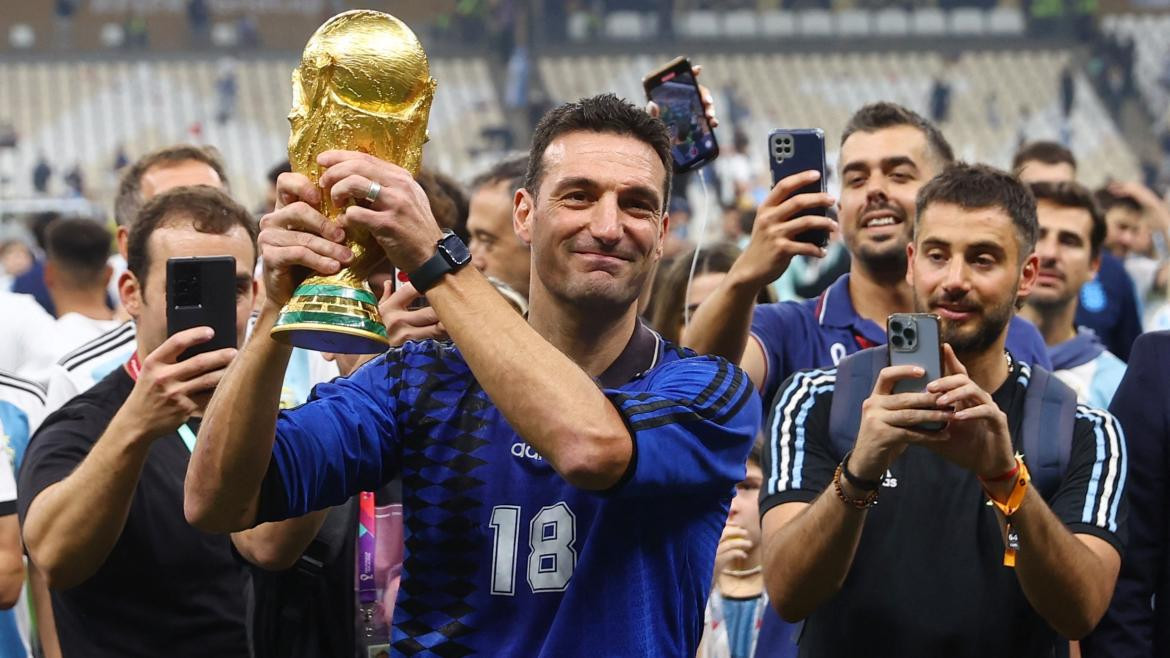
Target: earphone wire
[[699, 235]]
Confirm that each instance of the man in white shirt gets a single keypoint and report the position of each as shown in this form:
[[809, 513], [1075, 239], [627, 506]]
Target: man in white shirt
[[24, 324], [76, 274]]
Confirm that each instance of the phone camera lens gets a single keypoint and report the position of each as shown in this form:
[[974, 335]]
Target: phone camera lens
[[908, 333], [897, 341], [896, 327]]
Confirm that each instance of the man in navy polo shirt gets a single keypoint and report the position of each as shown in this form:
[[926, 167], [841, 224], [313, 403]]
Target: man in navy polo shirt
[[887, 153]]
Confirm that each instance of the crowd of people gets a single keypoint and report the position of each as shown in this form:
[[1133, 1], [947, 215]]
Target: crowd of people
[[579, 443]]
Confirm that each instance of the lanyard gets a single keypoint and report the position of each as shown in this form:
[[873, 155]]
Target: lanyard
[[367, 545], [133, 367]]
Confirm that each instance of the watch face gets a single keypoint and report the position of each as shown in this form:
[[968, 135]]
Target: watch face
[[457, 252]]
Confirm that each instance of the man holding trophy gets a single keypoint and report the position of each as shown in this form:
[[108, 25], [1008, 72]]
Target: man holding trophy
[[565, 478]]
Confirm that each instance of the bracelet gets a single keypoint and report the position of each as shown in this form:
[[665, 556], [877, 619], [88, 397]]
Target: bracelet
[[869, 500], [1009, 507], [860, 483], [1003, 477]]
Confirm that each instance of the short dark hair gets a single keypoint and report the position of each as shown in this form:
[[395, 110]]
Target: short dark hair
[[1075, 195], [1042, 151], [79, 248], [209, 210], [604, 113], [448, 201], [282, 167], [510, 170], [668, 299], [974, 186], [756, 454], [129, 199], [1106, 200], [878, 116]]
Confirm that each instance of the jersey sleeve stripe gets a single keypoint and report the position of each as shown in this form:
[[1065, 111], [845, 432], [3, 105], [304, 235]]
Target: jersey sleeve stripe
[[1109, 470], [794, 402], [25, 386], [645, 416], [81, 354], [729, 382], [111, 347]]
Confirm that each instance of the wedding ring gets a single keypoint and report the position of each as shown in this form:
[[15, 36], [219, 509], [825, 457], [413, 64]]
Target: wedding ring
[[374, 191]]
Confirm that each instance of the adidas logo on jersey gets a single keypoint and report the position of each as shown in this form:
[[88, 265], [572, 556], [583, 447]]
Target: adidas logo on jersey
[[889, 480], [523, 450]]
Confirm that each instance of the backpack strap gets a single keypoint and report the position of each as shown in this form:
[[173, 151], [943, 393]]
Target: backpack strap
[[1050, 408], [856, 374]]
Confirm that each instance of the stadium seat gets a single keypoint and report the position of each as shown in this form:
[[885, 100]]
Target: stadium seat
[[928, 21], [891, 22], [699, 24], [578, 26], [741, 23], [967, 21], [777, 23], [1006, 20], [815, 22], [625, 25], [854, 22]]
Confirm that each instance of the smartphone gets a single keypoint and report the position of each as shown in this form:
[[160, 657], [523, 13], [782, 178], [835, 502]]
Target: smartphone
[[201, 292], [674, 89], [791, 152], [913, 340]]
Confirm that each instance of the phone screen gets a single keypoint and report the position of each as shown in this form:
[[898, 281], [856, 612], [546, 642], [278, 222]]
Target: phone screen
[[681, 109]]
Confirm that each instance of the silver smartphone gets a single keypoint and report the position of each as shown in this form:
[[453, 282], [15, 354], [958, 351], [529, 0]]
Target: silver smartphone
[[913, 340]]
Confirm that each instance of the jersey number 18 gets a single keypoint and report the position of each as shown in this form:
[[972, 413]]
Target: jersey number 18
[[551, 556]]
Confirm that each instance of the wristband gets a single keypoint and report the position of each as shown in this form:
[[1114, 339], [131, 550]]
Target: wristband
[[869, 500], [1003, 477], [860, 483], [1009, 507]]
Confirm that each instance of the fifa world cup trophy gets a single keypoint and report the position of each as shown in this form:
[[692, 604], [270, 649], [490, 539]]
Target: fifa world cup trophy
[[363, 84]]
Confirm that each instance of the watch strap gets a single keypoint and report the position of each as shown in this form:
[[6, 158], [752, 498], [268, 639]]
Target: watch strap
[[430, 272]]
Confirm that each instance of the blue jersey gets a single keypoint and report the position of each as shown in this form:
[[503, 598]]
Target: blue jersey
[[503, 556], [1108, 305], [816, 333]]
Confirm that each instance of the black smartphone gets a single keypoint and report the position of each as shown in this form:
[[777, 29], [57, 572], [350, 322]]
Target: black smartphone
[[791, 152], [913, 340], [674, 89], [201, 292]]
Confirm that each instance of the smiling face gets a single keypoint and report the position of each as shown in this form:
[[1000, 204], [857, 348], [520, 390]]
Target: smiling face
[[965, 266], [881, 173], [596, 223], [1064, 251]]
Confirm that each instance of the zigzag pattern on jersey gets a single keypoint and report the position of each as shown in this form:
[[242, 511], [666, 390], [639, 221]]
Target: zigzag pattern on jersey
[[445, 428]]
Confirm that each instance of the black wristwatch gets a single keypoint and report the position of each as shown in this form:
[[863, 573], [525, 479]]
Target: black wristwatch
[[450, 255]]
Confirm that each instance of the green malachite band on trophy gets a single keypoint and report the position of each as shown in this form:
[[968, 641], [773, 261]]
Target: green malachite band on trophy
[[331, 319], [336, 291]]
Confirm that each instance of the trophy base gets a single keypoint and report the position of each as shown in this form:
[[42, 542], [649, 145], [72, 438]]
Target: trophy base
[[326, 317]]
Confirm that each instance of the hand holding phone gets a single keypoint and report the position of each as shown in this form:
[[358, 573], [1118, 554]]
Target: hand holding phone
[[680, 104], [201, 292], [794, 151], [913, 340]]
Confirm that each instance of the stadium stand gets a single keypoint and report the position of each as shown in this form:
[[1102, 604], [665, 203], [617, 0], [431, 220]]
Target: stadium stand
[[1151, 37], [89, 109], [997, 96]]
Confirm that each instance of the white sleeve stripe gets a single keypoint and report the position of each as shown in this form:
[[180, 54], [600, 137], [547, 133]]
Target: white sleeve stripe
[[1104, 493], [799, 394]]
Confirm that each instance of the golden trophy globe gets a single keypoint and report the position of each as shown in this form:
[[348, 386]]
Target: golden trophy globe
[[363, 84]]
